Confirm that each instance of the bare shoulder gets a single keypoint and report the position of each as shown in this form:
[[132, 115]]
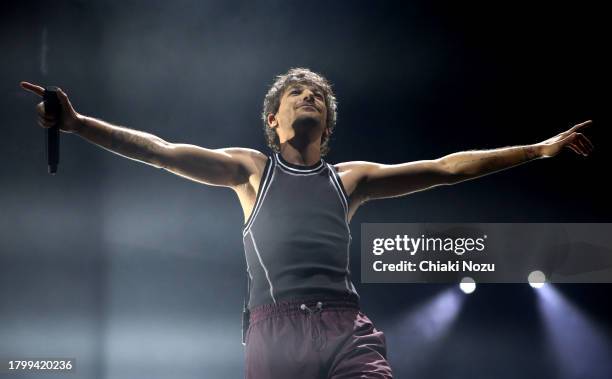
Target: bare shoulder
[[354, 166], [352, 175], [252, 160]]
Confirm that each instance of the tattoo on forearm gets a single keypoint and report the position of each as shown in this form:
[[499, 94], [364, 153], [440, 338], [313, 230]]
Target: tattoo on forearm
[[483, 162], [530, 153], [133, 143]]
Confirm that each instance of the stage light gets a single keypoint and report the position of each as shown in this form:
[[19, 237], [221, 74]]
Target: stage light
[[580, 346], [467, 285], [537, 279], [421, 331]]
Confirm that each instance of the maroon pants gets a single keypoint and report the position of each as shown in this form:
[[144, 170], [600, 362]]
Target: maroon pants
[[314, 339]]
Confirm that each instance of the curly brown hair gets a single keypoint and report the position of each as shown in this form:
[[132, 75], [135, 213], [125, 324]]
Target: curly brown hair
[[272, 100]]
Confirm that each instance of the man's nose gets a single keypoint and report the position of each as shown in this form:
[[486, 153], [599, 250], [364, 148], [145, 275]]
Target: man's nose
[[308, 95]]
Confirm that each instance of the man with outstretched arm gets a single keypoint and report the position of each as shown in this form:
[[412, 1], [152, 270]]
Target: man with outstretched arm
[[303, 318]]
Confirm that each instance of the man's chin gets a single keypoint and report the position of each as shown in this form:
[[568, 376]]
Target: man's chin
[[306, 121]]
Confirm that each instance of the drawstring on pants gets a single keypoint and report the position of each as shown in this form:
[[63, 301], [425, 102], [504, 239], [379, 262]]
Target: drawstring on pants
[[317, 337]]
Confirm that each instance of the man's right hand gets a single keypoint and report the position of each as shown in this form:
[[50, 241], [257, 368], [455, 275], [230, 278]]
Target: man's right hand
[[70, 121]]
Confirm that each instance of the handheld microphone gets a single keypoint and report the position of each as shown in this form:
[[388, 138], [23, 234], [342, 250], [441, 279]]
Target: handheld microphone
[[53, 108]]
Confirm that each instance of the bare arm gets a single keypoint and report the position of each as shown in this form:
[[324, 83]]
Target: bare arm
[[129, 143], [473, 164], [383, 181], [229, 167]]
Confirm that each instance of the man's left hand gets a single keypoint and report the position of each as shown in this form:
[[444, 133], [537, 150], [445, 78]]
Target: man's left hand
[[571, 139]]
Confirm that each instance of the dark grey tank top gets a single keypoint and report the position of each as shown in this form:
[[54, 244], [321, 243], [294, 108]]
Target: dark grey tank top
[[297, 238]]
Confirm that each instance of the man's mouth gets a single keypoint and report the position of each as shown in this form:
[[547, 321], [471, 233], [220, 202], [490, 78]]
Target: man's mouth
[[308, 106]]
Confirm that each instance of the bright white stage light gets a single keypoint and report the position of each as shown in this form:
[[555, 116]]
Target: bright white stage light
[[467, 285], [537, 279]]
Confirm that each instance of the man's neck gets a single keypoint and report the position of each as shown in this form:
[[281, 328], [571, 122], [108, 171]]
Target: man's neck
[[303, 156]]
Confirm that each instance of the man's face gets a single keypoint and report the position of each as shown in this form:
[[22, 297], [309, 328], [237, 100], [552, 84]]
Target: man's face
[[302, 110]]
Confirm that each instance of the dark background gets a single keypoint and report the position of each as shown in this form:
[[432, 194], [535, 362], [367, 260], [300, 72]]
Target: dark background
[[138, 273]]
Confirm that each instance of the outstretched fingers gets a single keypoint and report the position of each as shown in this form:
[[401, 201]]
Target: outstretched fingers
[[588, 142], [579, 126], [37, 90], [573, 148], [584, 146], [577, 142]]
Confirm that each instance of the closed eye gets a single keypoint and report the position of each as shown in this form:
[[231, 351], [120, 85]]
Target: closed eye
[[297, 91]]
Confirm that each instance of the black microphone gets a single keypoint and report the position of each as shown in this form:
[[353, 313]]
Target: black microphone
[[52, 108]]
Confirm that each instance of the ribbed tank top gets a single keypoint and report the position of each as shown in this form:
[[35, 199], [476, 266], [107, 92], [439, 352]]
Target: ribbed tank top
[[297, 238]]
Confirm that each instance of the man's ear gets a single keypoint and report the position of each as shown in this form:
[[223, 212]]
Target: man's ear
[[272, 122]]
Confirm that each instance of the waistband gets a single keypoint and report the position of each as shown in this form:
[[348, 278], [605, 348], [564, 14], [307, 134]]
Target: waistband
[[300, 306]]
